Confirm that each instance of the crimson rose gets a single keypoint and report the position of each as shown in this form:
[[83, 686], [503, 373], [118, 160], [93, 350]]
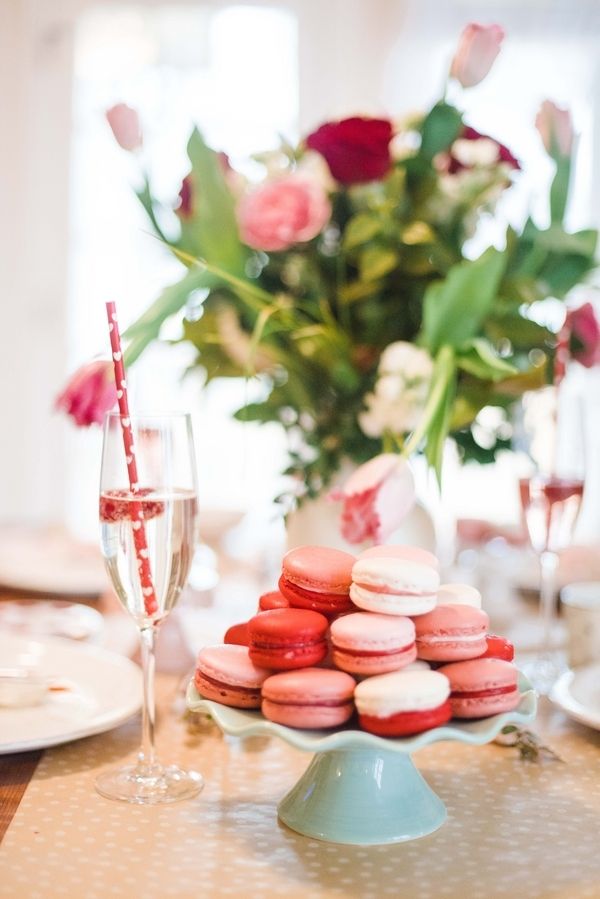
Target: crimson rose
[[356, 150]]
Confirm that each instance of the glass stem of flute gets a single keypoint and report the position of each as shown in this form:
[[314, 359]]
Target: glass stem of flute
[[548, 566], [147, 755]]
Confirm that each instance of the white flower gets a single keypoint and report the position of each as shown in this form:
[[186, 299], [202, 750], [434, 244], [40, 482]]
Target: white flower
[[475, 152], [400, 391]]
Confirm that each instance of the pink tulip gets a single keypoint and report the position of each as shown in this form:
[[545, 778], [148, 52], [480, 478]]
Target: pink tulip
[[89, 393], [376, 499], [125, 124], [185, 210], [477, 49], [555, 127], [283, 212], [583, 331]]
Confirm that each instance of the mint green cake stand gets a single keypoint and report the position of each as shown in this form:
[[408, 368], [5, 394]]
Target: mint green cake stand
[[361, 789]]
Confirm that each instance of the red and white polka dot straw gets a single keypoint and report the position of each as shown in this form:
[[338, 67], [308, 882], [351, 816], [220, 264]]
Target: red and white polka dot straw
[[137, 510]]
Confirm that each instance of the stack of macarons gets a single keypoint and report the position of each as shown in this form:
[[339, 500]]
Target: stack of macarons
[[382, 620]]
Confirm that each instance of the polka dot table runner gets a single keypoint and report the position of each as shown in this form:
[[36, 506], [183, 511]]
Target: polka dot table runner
[[514, 829]]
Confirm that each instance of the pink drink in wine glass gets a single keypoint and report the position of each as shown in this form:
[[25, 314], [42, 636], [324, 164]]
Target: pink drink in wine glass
[[550, 506]]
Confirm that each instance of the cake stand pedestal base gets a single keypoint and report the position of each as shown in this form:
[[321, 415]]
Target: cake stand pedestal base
[[362, 797]]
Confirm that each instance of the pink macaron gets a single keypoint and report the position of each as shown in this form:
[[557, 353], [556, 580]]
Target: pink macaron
[[401, 551], [226, 675], [394, 586], [365, 643], [317, 578], [451, 633], [482, 687], [311, 698]]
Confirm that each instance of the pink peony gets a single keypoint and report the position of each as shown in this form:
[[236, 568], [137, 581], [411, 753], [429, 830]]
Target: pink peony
[[283, 212], [477, 49], [376, 499], [555, 127], [89, 394], [125, 124]]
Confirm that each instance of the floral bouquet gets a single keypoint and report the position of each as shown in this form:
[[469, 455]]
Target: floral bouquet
[[342, 281]]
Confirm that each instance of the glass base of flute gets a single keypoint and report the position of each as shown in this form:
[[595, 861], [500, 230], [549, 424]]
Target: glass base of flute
[[148, 781], [148, 538]]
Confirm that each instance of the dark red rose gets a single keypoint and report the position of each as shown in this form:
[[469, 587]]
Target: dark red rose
[[468, 133], [356, 150]]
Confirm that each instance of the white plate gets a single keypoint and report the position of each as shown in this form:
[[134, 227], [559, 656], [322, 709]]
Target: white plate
[[578, 694], [49, 561], [102, 690]]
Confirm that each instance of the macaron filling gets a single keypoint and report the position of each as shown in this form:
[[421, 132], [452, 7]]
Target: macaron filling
[[479, 694], [435, 639], [201, 677], [336, 600], [393, 590], [372, 653]]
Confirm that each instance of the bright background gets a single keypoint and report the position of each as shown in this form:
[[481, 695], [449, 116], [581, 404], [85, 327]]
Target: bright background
[[72, 233]]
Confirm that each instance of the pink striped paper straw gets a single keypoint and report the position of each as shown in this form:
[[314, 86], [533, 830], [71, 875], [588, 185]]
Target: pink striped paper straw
[[137, 511]]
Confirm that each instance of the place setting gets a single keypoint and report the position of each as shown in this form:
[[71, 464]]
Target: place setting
[[299, 580]]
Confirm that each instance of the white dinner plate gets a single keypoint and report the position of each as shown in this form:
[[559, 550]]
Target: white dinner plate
[[578, 694], [95, 691], [49, 561]]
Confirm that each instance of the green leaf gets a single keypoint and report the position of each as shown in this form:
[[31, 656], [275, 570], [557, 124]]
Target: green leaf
[[360, 229], [454, 309], [479, 358], [562, 272], [444, 371], [146, 199], [147, 327], [557, 240], [255, 412], [212, 231], [377, 261], [439, 129]]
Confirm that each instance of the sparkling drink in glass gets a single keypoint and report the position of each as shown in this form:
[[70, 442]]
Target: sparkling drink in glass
[[148, 535]]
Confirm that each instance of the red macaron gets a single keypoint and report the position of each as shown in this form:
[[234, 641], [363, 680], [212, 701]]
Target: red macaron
[[284, 639], [482, 687], [274, 599], [317, 578], [237, 634], [498, 648]]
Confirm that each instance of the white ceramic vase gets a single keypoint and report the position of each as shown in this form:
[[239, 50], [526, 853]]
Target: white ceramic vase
[[317, 522]]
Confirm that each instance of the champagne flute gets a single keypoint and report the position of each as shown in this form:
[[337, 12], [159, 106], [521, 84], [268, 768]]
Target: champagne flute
[[149, 576], [550, 497]]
